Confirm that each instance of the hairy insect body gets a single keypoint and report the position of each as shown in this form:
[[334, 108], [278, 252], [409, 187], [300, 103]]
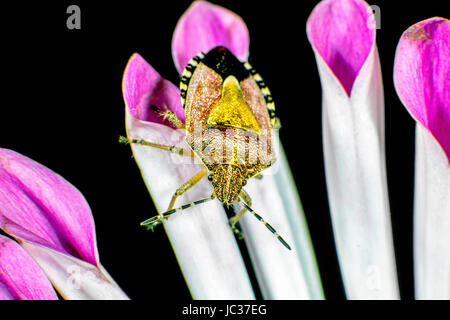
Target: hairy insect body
[[227, 124], [229, 120]]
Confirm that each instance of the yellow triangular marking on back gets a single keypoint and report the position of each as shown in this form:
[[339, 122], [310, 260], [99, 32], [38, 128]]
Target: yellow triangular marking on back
[[232, 110]]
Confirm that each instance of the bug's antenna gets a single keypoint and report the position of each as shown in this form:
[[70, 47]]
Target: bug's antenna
[[268, 226], [154, 221]]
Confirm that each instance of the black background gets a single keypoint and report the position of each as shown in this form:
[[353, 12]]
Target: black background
[[62, 106]]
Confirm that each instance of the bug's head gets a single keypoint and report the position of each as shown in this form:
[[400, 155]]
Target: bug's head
[[227, 181]]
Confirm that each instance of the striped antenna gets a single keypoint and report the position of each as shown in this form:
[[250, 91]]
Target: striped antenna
[[268, 226]]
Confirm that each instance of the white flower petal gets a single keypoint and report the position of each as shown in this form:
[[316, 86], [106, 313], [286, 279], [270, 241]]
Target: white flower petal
[[282, 273], [431, 218], [200, 236], [353, 138], [74, 279]]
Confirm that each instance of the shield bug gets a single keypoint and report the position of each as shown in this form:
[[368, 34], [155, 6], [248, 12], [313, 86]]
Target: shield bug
[[229, 117]]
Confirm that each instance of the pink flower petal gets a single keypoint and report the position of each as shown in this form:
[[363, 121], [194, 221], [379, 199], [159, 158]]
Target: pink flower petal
[[40, 206], [422, 76], [20, 277], [143, 87], [204, 26], [343, 33]]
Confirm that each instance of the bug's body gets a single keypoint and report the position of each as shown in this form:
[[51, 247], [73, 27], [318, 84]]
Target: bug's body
[[229, 117], [227, 120]]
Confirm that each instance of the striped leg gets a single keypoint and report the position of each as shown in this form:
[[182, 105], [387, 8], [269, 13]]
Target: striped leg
[[186, 186], [235, 219], [156, 220], [170, 116], [268, 226], [177, 150]]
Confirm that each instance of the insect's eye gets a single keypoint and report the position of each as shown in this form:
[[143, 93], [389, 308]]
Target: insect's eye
[[244, 182], [210, 177]]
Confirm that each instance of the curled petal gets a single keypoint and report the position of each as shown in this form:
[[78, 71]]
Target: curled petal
[[353, 144], [204, 26], [422, 79], [143, 87], [20, 277], [40, 206], [422, 76], [343, 33]]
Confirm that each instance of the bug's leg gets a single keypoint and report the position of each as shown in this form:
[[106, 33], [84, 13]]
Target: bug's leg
[[156, 220], [169, 116], [177, 150], [186, 186], [275, 123], [172, 117], [268, 226], [235, 219]]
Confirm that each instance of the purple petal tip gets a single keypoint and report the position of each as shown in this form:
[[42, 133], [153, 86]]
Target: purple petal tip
[[204, 26], [343, 33], [143, 87], [422, 76]]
